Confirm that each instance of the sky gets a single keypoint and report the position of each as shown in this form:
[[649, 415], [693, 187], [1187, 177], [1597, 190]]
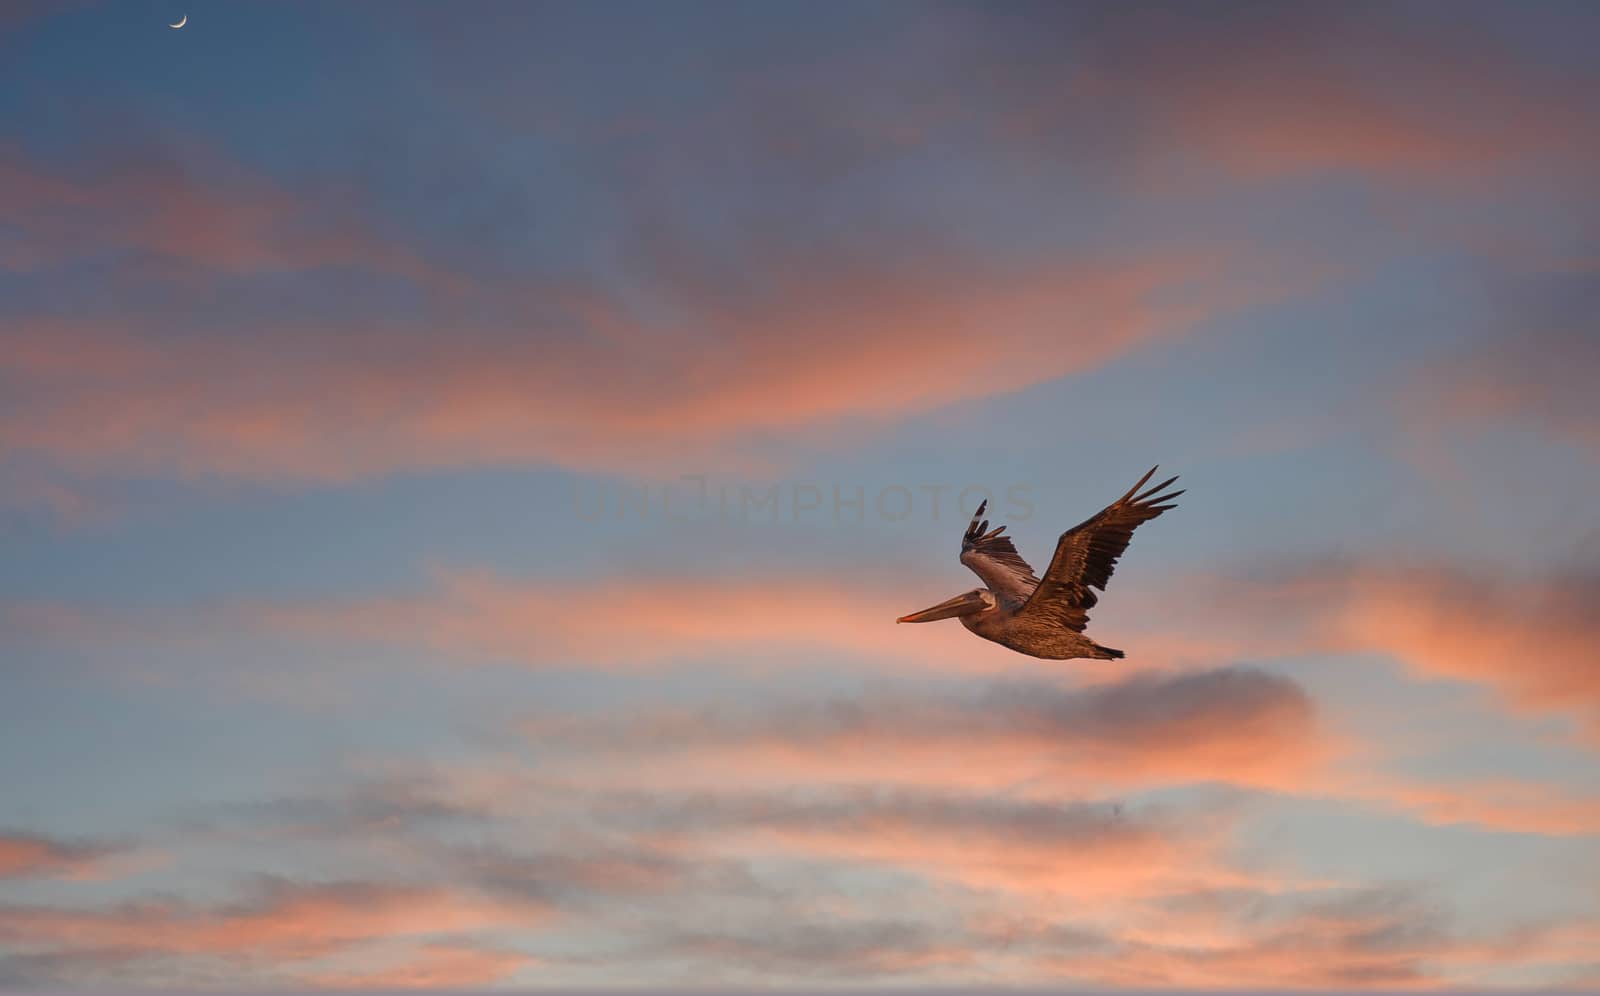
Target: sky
[[460, 466]]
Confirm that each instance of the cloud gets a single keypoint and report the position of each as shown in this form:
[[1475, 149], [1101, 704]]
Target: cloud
[[1359, 939], [903, 833], [1529, 639], [1494, 804], [1532, 642], [1363, 939], [1228, 91], [615, 622], [776, 317], [673, 879], [1538, 378], [288, 922], [389, 803], [20, 13], [581, 872], [581, 379], [429, 966], [30, 493], [1238, 726], [1341, 938], [480, 616], [841, 949], [982, 841], [1165, 725], [1240, 92], [183, 204], [24, 855], [618, 622]]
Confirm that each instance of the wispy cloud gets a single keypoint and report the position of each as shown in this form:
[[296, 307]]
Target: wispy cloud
[[429, 966], [185, 205], [1364, 938], [26, 855], [288, 921], [1191, 95], [1537, 379], [1240, 726], [589, 382], [1496, 804]]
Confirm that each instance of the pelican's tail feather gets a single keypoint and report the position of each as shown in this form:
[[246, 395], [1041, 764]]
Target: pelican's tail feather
[[1107, 653]]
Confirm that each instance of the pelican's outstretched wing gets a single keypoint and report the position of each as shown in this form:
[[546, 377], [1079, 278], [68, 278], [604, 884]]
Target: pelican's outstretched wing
[[994, 559], [1087, 554]]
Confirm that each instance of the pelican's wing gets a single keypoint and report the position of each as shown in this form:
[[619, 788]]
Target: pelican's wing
[[992, 557], [1087, 554]]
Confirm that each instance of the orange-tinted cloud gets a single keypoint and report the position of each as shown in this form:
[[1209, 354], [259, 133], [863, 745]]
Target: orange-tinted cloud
[[1318, 955], [1290, 92], [838, 948], [1540, 379], [1233, 938], [61, 501], [1533, 642], [1092, 852], [20, 13], [586, 381], [474, 617], [34, 856], [430, 966], [1494, 804], [1242, 727], [605, 623], [1174, 94], [1529, 639], [1324, 117], [1362, 938], [620, 622], [291, 922], [1322, 950], [1162, 726], [193, 208]]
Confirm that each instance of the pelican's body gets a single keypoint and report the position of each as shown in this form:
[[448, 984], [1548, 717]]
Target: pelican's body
[[1046, 617]]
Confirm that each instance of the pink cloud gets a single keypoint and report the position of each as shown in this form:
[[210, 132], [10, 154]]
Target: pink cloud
[[36, 856], [618, 623], [289, 923], [1335, 939], [19, 13], [821, 343], [1254, 99], [429, 966], [611, 623], [1166, 724], [1539, 379], [1495, 804], [1035, 738], [1093, 854], [1534, 643], [209, 213], [1528, 639]]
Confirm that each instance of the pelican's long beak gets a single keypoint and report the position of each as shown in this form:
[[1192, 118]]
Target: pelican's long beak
[[970, 601]]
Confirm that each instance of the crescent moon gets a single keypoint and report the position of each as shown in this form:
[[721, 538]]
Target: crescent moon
[[181, 22]]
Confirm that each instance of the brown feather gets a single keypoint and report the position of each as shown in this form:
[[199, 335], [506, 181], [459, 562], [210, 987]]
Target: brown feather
[[1087, 554]]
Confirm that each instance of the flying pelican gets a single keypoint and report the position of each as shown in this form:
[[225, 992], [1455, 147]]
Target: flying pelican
[[1046, 618]]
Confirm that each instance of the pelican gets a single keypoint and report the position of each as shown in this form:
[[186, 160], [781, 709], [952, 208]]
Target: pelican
[[1045, 618]]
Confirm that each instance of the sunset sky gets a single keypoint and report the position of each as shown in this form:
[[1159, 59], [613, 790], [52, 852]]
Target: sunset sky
[[460, 466]]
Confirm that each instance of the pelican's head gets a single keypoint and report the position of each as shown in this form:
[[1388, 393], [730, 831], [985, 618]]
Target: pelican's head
[[965, 604]]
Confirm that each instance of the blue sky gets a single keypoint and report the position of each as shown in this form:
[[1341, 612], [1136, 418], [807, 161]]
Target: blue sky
[[324, 328]]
